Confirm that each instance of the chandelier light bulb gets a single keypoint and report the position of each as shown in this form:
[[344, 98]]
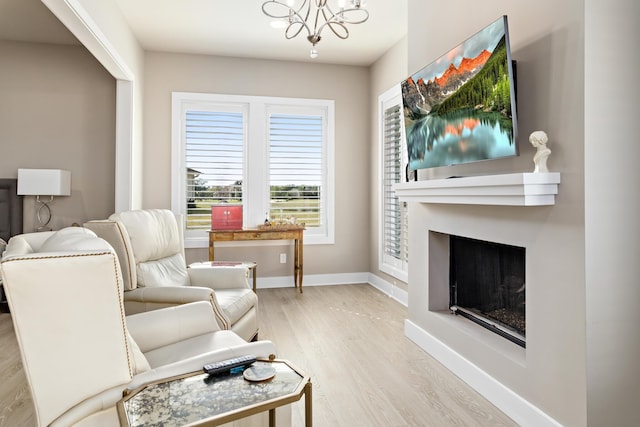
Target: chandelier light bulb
[[279, 24], [313, 54]]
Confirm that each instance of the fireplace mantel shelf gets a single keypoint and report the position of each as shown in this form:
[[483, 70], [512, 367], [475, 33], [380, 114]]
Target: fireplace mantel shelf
[[514, 189]]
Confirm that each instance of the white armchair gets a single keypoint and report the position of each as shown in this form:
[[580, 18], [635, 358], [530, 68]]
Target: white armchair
[[150, 246], [78, 349]]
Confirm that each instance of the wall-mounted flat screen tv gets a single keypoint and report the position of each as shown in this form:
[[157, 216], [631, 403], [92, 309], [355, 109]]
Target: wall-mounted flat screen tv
[[461, 108]]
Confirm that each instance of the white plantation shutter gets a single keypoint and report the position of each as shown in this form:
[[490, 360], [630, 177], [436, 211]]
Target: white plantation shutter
[[297, 169], [392, 174], [214, 157], [394, 214]]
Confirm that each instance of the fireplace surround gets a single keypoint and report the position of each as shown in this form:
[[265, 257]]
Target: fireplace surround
[[513, 209]]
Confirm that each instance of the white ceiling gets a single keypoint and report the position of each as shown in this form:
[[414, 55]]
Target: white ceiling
[[219, 27]]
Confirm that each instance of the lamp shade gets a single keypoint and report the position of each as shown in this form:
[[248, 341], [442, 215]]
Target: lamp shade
[[44, 182]]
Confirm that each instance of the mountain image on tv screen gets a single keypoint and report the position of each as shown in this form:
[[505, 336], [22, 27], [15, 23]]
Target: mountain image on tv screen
[[461, 107]]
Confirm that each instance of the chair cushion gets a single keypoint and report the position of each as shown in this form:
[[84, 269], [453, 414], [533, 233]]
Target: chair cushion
[[169, 271], [157, 246], [154, 233], [73, 239], [236, 302]]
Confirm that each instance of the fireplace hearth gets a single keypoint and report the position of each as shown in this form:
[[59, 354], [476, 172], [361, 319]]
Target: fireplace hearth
[[487, 285]]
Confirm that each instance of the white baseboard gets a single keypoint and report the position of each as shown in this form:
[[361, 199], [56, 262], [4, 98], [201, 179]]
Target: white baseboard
[[312, 280], [392, 291], [520, 410], [382, 285]]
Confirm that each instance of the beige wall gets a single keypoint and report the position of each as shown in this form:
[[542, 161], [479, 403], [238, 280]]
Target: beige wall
[[348, 86], [612, 203], [58, 111], [108, 37]]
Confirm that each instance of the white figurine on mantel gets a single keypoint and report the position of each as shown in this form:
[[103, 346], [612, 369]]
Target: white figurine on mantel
[[539, 140]]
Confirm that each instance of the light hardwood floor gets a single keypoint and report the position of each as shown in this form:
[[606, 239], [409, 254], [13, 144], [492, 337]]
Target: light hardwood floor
[[365, 372], [350, 340], [16, 407]]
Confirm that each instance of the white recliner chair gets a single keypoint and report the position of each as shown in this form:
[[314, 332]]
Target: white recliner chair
[[150, 246], [79, 351]]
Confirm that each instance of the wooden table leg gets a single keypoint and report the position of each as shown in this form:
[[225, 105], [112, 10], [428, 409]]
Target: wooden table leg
[[300, 260], [255, 267], [296, 249]]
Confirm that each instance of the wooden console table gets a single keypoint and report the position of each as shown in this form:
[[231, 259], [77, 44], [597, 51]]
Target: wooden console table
[[295, 234]]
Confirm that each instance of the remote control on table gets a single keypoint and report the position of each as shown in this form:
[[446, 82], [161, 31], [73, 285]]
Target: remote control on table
[[226, 366]]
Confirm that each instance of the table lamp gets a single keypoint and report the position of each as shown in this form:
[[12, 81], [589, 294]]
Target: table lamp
[[44, 182]]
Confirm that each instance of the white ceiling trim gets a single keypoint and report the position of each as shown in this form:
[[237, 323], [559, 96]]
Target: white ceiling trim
[[75, 17]]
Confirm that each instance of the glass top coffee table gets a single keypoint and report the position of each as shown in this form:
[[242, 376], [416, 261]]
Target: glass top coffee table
[[198, 399]]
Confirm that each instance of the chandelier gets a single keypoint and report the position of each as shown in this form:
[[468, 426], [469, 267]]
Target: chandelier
[[313, 16]]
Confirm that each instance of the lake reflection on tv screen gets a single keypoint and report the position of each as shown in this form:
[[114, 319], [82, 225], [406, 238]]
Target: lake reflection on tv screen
[[436, 142]]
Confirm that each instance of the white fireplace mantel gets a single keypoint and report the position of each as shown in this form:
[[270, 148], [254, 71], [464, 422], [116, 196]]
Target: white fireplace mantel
[[514, 189]]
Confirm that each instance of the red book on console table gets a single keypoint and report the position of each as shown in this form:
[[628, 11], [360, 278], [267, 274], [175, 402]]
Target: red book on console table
[[226, 217]]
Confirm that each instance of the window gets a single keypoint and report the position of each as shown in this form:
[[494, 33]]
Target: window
[[394, 248], [296, 167], [214, 156], [265, 157]]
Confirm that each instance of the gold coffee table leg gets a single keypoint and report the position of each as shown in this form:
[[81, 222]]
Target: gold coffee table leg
[[308, 410], [272, 418]]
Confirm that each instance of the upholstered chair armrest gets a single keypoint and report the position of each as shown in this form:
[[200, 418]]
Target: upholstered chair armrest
[[231, 346], [102, 408], [219, 277], [140, 300], [169, 295], [22, 244], [159, 328], [67, 239]]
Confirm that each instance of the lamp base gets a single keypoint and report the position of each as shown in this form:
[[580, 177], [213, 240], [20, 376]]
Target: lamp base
[[43, 224]]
